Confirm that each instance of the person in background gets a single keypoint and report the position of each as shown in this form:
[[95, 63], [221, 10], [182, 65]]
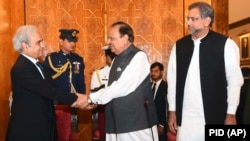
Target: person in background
[[204, 77], [246, 108], [160, 89], [32, 111], [130, 112], [243, 108], [100, 80], [66, 68]]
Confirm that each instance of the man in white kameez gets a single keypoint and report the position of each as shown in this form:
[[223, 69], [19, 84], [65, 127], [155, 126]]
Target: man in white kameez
[[204, 77], [130, 112]]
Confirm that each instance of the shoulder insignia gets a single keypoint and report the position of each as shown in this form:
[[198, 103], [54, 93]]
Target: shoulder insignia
[[77, 55], [53, 53]]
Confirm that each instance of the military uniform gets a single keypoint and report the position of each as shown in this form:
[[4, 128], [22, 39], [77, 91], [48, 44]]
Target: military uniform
[[100, 77], [67, 71], [74, 71]]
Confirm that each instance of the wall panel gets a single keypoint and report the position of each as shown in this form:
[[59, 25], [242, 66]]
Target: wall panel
[[157, 25], [221, 16], [11, 17]]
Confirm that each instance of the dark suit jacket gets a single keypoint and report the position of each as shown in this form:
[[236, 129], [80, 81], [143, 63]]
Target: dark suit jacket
[[32, 111], [160, 103]]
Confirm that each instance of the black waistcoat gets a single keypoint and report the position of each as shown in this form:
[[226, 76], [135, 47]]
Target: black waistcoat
[[212, 75], [128, 113]]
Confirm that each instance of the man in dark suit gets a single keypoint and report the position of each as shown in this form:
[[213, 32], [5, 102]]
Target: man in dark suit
[[32, 111], [160, 88]]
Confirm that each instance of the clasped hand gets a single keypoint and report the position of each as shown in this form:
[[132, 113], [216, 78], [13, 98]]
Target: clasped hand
[[82, 102]]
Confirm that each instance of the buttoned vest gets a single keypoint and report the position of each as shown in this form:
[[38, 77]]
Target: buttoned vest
[[212, 75], [129, 113]]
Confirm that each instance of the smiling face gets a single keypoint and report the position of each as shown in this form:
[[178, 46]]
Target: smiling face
[[116, 41]]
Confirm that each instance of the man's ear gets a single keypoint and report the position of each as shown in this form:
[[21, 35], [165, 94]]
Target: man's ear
[[208, 21], [126, 36], [25, 45]]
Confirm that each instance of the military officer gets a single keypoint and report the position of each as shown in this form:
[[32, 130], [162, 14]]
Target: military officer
[[99, 80], [100, 76], [67, 68]]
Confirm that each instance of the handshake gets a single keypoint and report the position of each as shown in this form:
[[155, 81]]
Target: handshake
[[83, 102]]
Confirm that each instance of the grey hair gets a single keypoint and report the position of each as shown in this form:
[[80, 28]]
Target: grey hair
[[205, 10], [23, 34]]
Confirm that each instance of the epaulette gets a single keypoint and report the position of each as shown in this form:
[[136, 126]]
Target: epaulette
[[96, 70], [76, 55], [73, 53], [53, 53]]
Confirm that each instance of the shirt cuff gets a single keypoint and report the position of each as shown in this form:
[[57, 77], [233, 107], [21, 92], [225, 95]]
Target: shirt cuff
[[94, 99], [171, 107], [231, 109]]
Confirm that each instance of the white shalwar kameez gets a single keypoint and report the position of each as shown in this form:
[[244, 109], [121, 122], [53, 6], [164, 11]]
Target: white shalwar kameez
[[137, 70], [193, 121]]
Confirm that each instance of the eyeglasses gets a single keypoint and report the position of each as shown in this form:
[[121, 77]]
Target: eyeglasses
[[193, 19]]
